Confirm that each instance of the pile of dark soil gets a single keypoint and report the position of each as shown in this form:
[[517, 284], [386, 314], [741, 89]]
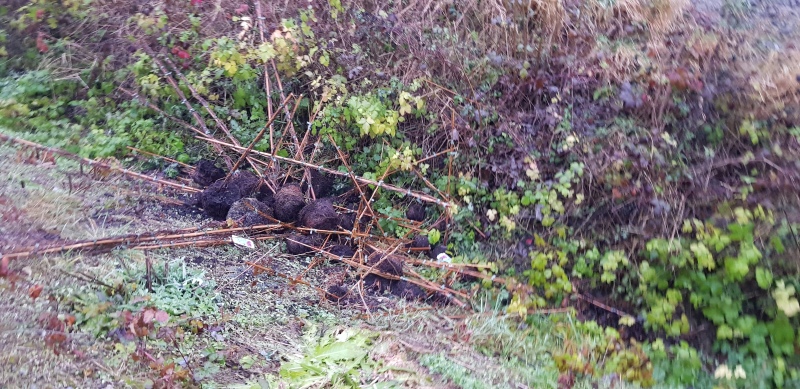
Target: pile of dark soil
[[297, 244], [436, 250], [319, 215], [341, 250], [217, 199], [265, 195], [416, 212], [336, 293], [420, 242], [249, 212], [407, 290], [206, 173], [288, 203], [347, 221], [384, 264], [321, 183]]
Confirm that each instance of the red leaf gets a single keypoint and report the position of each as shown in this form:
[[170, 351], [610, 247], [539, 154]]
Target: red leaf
[[35, 291], [40, 43], [39, 14], [242, 9], [196, 2], [55, 339], [69, 320], [162, 317], [148, 315], [4, 267]]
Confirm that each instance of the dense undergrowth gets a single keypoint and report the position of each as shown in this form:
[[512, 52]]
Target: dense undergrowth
[[618, 150]]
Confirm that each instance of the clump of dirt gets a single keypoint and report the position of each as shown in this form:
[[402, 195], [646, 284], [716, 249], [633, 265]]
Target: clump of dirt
[[347, 221], [436, 250], [321, 183], [206, 172], [420, 242], [385, 264], [249, 212], [336, 293], [415, 212], [218, 198], [297, 244], [319, 215], [288, 203], [407, 290], [265, 195], [341, 250]]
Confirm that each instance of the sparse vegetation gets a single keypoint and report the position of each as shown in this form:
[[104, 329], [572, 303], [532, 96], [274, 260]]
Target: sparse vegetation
[[621, 174]]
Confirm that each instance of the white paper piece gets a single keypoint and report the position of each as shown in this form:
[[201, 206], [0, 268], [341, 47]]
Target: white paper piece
[[244, 242], [443, 257]]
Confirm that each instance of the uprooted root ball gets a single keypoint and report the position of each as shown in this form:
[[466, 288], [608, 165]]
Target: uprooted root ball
[[385, 264], [205, 173], [347, 221], [298, 244], [420, 242], [336, 293], [265, 195], [249, 212], [408, 290], [288, 203], [416, 212], [218, 198], [319, 215], [341, 250], [321, 183]]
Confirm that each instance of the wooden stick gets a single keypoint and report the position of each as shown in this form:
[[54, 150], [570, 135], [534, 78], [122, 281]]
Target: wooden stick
[[90, 162], [132, 239], [159, 156], [255, 140], [361, 180], [358, 187]]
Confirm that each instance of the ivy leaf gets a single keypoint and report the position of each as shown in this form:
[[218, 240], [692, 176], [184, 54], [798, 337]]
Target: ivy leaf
[[736, 268], [703, 255], [763, 277], [627, 320], [784, 298], [714, 314], [724, 332], [741, 232], [781, 333]]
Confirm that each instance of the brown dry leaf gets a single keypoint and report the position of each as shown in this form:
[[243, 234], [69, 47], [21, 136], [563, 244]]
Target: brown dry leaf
[[35, 291]]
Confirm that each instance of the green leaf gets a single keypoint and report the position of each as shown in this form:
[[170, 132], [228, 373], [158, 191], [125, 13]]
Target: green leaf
[[433, 236], [724, 332], [763, 277], [247, 361], [782, 335], [714, 314], [736, 268]]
